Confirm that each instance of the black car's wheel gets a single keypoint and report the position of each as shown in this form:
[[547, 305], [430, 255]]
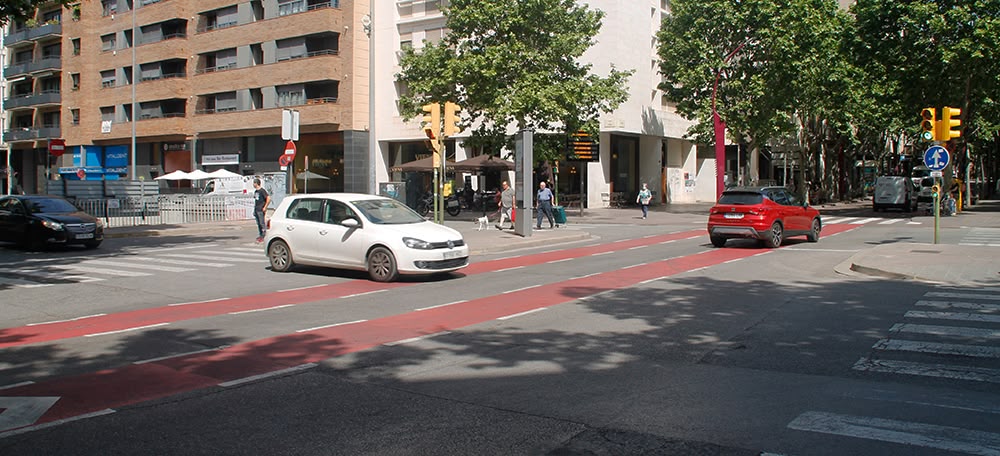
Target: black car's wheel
[[775, 236], [718, 241], [813, 235], [32, 241], [92, 244], [382, 265], [280, 256]]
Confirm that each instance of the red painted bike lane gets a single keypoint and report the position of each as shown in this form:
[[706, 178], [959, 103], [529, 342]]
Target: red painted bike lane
[[91, 393], [138, 319]]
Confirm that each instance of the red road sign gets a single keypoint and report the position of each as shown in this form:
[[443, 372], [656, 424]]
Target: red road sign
[[57, 147], [290, 148], [286, 159]]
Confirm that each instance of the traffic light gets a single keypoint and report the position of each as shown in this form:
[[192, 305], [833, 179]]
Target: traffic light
[[949, 120], [451, 119], [928, 124], [432, 120]]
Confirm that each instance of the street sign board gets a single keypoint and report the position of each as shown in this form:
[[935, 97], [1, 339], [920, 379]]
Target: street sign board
[[290, 148], [936, 158], [286, 159], [937, 173]]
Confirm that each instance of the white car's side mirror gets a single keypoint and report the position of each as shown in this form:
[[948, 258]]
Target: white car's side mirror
[[350, 223]]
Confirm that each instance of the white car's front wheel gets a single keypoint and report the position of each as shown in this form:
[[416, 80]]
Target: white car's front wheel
[[280, 256], [382, 265]]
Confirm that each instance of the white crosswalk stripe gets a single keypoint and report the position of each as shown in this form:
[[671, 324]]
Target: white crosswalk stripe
[[982, 236], [866, 221], [147, 263]]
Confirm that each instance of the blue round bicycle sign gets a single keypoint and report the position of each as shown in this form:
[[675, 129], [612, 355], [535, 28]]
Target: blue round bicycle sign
[[936, 158]]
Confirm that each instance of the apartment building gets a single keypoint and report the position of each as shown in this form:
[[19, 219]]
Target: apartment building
[[161, 85], [640, 142]]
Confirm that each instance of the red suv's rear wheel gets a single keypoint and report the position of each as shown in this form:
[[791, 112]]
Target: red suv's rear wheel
[[774, 236]]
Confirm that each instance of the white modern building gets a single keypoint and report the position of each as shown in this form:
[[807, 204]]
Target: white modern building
[[641, 142]]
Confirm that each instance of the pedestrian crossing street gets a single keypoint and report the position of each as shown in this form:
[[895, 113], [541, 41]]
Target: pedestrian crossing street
[[982, 236], [139, 263], [867, 220], [951, 334]]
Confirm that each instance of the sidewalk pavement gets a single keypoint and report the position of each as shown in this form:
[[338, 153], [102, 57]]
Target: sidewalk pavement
[[935, 263]]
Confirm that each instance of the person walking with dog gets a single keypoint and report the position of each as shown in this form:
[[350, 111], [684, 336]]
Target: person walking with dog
[[643, 199], [506, 205], [543, 201]]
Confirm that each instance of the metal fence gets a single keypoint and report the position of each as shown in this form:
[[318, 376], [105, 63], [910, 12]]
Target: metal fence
[[168, 209]]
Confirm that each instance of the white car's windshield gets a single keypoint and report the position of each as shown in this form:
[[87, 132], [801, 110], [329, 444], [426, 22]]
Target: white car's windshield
[[387, 212]]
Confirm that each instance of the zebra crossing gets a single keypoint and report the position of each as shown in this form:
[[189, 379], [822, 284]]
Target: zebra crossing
[[982, 236], [140, 263], [867, 220], [950, 334]]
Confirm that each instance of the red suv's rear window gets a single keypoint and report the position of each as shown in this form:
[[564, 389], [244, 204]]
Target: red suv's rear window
[[741, 198]]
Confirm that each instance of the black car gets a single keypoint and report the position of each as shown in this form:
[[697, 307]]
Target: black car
[[39, 220]]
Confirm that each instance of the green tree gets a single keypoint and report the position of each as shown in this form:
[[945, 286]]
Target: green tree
[[22, 10], [514, 63], [763, 58]]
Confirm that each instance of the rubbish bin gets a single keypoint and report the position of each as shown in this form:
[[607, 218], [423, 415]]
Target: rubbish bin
[[559, 213]]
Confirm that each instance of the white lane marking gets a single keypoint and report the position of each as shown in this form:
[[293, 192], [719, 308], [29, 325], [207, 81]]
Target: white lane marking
[[301, 288], [941, 400], [508, 269], [137, 328], [890, 221], [520, 289], [584, 276], [971, 373], [257, 250], [863, 221], [668, 242], [732, 261], [944, 294], [355, 295], [213, 257], [253, 378], [652, 280], [959, 305], [953, 331], [601, 253], [177, 262], [913, 346], [171, 249], [415, 339], [962, 316], [136, 265], [695, 236], [330, 326], [638, 247], [913, 223], [15, 385], [196, 302], [55, 423], [560, 261], [804, 248], [260, 254], [23, 283], [442, 305], [64, 321], [508, 317], [153, 360], [261, 310], [105, 271], [905, 432]]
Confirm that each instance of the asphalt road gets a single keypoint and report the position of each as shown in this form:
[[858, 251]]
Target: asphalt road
[[641, 340]]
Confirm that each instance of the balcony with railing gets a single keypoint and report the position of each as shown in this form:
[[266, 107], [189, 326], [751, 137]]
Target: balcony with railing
[[47, 63], [50, 28], [48, 97], [32, 133]]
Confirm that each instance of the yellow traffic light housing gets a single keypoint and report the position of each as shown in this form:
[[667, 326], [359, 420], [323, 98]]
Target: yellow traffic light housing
[[432, 120], [451, 119], [928, 124], [949, 121]]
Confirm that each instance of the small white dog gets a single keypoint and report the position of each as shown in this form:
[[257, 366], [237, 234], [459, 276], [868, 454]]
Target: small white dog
[[484, 223]]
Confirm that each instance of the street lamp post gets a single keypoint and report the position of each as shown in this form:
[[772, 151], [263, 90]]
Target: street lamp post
[[720, 131]]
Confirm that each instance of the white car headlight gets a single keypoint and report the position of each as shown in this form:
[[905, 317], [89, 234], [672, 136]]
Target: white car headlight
[[415, 243], [55, 226]]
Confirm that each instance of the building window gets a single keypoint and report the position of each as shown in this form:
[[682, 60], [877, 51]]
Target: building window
[[292, 7], [75, 116], [109, 7], [108, 42], [76, 46], [108, 78], [107, 113], [291, 95], [75, 80]]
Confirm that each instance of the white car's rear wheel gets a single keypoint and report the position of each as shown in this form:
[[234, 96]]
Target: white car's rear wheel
[[280, 256]]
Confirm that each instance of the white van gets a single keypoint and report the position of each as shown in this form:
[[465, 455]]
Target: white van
[[894, 192]]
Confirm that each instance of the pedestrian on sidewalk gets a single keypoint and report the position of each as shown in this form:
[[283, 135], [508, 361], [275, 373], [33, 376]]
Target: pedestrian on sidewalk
[[260, 202], [506, 205], [544, 204], [644, 197]]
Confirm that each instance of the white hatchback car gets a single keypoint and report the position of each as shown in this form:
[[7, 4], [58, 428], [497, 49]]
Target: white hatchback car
[[363, 232]]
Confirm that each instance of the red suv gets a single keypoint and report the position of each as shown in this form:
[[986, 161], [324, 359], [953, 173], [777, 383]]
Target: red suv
[[770, 214]]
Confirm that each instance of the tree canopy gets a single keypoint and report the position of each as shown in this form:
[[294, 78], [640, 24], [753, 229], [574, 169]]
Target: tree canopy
[[513, 63], [15, 10]]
